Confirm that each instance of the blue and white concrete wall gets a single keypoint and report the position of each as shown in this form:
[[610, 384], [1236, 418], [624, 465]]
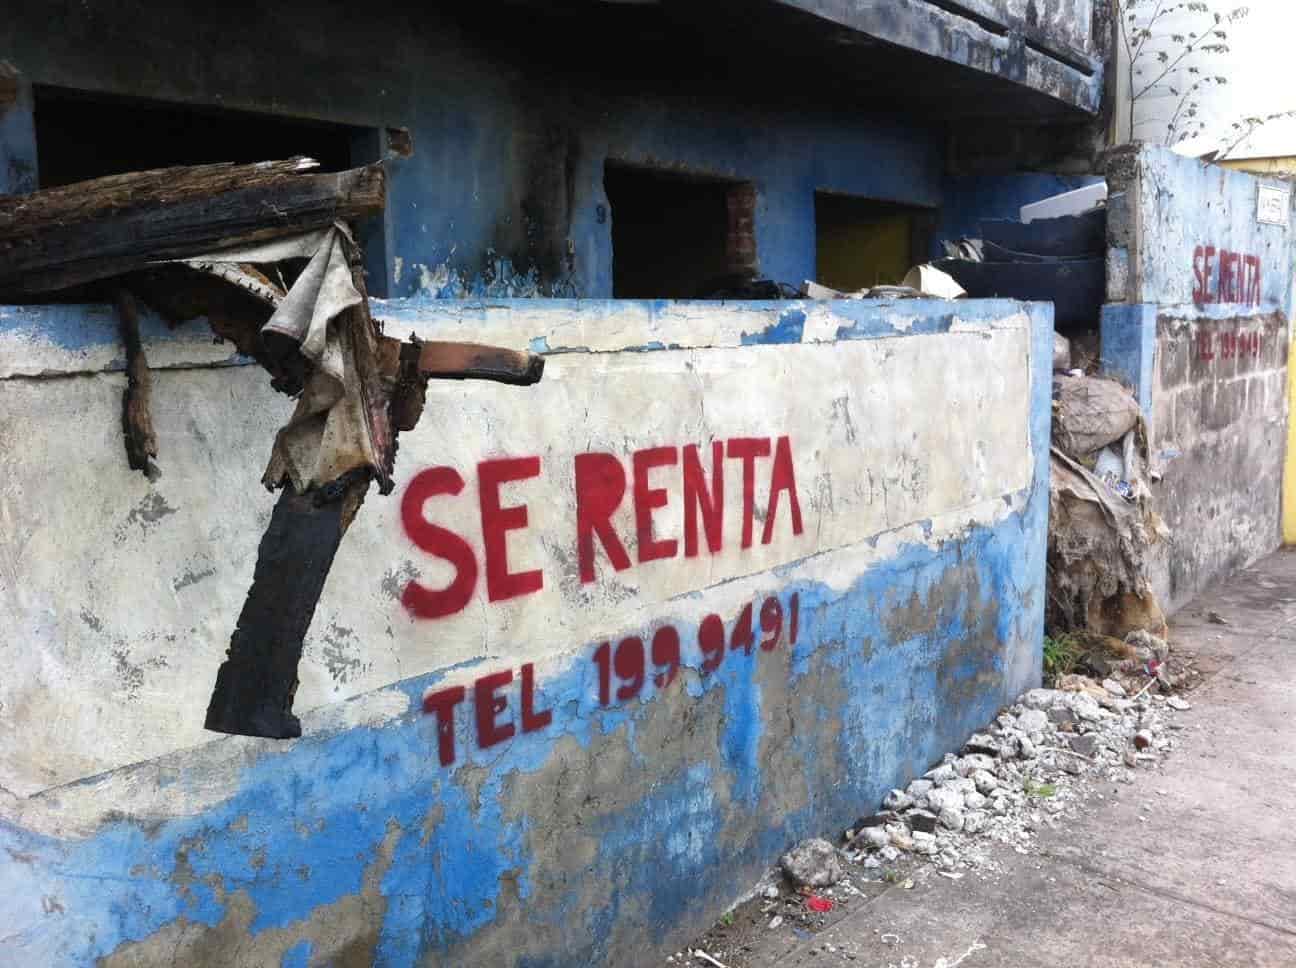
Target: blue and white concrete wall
[[562, 700], [1201, 282]]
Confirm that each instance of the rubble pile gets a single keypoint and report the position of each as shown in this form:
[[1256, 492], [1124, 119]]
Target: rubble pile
[[1025, 773], [1009, 782]]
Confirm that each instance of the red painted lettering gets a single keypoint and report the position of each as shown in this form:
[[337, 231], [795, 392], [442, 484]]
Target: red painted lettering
[[783, 478], [488, 704], [532, 720], [498, 521], [697, 499], [1199, 289], [647, 499], [600, 486], [421, 601], [747, 449], [443, 704], [1225, 289], [1206, 268]]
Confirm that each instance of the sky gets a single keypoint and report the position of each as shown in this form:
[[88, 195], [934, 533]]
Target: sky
[[1261, 72]]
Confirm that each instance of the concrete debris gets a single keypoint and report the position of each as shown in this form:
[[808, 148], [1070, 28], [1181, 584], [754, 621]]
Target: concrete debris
[[922, 822], [1085, 744], [1033, 721], [813, 863], [982, 743], [944, 798], [1174, 702], [951, 818], [897, 800], [874, 836], [940, 774], [919, 789], [1054, 746]]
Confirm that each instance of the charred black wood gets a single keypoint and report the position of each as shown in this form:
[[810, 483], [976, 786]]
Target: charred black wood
[[257, 682], [137, 415]]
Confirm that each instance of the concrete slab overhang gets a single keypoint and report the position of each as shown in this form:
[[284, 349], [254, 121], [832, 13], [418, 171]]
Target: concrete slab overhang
[[990, 58]]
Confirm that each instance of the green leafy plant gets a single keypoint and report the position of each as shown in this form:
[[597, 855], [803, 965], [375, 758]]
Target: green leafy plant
[[1039, 789], [1061, 655], [1168, 49]]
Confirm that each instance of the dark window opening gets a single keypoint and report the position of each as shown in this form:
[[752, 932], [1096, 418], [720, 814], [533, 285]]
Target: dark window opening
[[677, 236], [861, 243], [81, 136]]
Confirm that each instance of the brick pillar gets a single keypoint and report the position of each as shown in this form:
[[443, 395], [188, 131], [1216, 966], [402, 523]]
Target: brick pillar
[[740, 243]]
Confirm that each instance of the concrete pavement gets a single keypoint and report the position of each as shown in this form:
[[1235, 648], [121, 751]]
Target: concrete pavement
[[1193, 864]]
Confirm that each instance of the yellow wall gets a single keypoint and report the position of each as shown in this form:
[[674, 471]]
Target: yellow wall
[[1263, 166], [1289, 468], [864, 254]]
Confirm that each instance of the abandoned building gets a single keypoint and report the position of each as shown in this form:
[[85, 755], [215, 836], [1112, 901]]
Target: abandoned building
[[599, 643]]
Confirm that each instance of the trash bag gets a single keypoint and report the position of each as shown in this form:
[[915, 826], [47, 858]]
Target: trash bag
[[1089, 413], [1061, 352]]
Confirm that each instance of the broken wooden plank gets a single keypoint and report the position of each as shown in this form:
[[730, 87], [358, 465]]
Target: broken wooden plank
[[137, 416], [67, 236]]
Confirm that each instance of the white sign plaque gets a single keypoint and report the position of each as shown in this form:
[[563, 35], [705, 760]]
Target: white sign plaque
[[1273, 205]]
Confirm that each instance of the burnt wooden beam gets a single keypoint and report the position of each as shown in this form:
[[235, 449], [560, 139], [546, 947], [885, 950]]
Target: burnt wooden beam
[[62, 237], [474, 361], [137, 416], [256, 683], [258, 680]]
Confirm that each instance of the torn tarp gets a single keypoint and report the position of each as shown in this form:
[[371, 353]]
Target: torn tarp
[[329, 434], [1099, 545]]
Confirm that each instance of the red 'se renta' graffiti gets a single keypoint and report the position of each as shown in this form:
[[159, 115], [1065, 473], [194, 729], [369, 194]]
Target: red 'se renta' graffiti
[[603, 483], [1222, 276]]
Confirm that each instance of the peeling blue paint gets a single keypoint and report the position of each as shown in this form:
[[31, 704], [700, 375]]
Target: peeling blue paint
[[788, 329]]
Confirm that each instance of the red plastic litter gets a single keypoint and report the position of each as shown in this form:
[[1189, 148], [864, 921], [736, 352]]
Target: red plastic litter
[[821, 904]]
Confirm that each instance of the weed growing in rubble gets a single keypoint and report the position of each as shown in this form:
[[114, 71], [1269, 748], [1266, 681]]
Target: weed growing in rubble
[[1039, 789], [1061, 655]]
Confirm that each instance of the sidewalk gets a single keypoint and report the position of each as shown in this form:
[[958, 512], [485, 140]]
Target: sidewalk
[[1193, 864]]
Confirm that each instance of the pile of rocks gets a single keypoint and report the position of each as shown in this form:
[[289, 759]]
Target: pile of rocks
[[1044, 752]]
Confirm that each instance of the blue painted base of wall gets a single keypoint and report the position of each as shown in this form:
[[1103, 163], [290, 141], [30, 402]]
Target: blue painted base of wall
[[1129, 348]]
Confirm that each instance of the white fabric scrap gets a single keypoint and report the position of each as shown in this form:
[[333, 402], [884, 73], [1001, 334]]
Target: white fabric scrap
[[328, 433]]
